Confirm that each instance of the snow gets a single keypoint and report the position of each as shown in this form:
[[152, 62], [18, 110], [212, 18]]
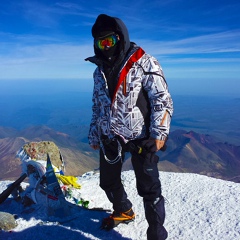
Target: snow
[[197, 207]]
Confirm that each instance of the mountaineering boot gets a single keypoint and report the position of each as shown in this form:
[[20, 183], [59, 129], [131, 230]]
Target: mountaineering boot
[[116, 218], [155, 215]]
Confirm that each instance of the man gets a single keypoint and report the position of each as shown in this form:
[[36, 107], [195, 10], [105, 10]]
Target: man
[[132, 109]]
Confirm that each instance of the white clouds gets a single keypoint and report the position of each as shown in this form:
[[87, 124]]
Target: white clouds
[[204, 44], [217, 42], [211, 56], [69, 6], [43, 56], [56, 53], [39, 14], [51, 15], [26, 39], [47, 61]]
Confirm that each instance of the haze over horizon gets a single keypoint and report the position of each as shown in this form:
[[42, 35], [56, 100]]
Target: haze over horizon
[[197, 43]]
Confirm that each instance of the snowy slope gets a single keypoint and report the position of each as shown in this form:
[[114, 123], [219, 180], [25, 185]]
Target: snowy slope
[[197, 207]]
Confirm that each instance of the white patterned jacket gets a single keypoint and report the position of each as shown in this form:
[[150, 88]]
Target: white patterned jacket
[[122, 116]]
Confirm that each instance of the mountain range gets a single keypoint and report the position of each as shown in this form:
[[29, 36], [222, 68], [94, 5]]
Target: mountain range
[[187, 151], [203, 154], [77, 156]]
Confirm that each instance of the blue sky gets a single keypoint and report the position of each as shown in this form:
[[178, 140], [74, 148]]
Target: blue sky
[[196, 42]]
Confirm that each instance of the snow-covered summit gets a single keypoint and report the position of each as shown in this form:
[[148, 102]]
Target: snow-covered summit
[[197, 207]]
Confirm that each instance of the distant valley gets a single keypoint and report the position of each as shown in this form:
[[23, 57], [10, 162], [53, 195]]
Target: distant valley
[[204, 138], [186, 152], [199, 153]]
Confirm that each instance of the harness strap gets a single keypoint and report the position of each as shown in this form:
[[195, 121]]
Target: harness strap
[[134, 58]]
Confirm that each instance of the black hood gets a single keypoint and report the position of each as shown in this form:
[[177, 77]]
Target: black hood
[[105, 23]]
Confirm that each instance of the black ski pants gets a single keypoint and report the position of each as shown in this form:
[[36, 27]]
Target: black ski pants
[[147, 182]]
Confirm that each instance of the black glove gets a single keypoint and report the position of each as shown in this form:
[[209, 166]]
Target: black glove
[[149, 145]]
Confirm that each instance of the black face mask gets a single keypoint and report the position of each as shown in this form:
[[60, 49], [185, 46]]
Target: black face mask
[[111, 54]]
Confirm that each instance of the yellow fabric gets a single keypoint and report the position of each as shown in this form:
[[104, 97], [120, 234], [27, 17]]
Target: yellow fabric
[[69, 180]]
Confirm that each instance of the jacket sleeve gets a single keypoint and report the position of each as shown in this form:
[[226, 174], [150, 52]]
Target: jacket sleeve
[[160, 99], [93, 131]]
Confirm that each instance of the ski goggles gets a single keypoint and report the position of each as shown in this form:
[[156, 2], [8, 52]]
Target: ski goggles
[[107, 42]]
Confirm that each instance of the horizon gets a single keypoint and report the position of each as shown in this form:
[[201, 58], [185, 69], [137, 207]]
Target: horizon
[[65, 103], [197, 44], [177, 87]]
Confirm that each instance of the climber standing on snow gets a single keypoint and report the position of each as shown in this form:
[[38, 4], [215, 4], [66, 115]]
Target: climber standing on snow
[[132, 110]]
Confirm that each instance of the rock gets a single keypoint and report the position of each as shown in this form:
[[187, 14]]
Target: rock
[[7, 221], [39, 151]]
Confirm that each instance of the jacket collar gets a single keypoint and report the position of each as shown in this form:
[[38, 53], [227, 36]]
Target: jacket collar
[[100, 62]]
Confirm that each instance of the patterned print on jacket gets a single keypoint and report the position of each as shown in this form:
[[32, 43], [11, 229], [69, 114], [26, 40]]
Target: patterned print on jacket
[[122, 116]]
